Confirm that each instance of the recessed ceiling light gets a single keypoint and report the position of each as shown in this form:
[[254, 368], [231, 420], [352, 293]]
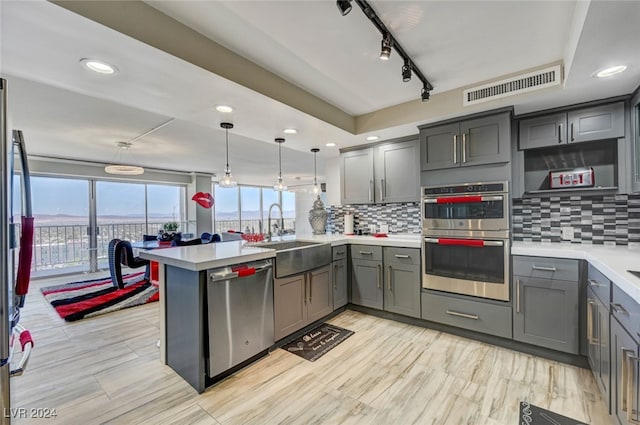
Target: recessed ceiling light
[[224, 108], [330, 144], [372, 138], [608, 72], [98, 66], [290, 131]]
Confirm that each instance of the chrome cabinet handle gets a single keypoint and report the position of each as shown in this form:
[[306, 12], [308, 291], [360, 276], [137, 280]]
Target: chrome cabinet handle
[[382, 191], [572, 137], [590, 304], [544, 269], [335, 273], [618, 308], [310, 287], [627, 358], [560, 133], [465, 315], [389, 278], [366, 253], [595, 283], [455, 148], [378, 278], [370, 190], [401, 256], [464, 148], [517, 295], [630, 390], [305, 287]]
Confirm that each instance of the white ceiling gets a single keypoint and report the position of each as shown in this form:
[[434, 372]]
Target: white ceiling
[[68, 112]]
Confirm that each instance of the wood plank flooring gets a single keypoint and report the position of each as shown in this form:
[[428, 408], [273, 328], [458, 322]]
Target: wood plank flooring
[[106, 370]]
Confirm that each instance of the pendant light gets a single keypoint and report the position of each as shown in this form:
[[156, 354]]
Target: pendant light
[[279, 186], [227, 179], [316, 187], [123, 169]]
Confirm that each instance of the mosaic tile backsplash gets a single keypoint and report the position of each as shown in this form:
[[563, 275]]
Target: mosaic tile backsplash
[[608, 220], [400, 217]]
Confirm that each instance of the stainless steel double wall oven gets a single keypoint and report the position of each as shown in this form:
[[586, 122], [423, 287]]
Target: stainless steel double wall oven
[[465, 231]]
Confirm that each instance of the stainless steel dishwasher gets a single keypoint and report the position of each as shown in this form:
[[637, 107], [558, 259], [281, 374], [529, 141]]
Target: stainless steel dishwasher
[[240, 310]]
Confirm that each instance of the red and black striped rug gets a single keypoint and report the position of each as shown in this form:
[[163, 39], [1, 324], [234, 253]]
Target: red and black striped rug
[[79, 300]]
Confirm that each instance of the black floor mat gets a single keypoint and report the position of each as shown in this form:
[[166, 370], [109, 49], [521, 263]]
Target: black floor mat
[[534, 415], [317, 342]]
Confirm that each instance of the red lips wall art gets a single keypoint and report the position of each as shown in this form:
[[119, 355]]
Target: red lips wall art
[[205, 200]]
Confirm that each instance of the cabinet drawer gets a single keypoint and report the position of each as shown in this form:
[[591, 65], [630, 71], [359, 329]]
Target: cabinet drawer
[[408, 256], [546, 268], [366, 252], [627, 311], [599, 284], [339, 252], [487, 318]]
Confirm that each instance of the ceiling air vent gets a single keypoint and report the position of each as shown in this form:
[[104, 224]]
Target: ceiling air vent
[[524, 83]]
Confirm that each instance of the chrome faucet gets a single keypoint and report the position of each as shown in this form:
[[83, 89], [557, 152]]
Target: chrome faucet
[[275, 204]]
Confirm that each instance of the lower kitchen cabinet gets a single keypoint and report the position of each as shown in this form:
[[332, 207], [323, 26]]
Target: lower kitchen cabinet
[[340, 283], [301, 299], [624, 374], [402, 282], [545, 310], [366, 276], [598, 325]]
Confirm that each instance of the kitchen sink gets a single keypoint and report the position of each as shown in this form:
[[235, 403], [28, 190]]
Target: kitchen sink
[[294, 257]]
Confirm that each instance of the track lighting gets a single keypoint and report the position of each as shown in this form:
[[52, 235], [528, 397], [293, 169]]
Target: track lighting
[[425, 94], [385, 51], [406, 71], [344, 6]]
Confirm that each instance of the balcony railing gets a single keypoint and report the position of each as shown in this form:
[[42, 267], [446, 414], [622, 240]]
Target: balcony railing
[[66, 246]]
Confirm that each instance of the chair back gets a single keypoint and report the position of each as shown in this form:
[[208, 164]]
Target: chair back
[[147, 238], [186, 243]]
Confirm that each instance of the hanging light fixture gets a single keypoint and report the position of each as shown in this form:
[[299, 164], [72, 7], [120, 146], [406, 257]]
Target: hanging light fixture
[[122, 169], [316, 187], [227, 179], [279, 186]]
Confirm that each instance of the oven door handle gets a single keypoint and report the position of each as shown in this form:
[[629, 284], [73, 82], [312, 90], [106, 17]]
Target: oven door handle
[[464, 242], [462, 199]]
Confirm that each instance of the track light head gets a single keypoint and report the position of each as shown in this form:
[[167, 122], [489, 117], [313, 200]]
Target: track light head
[[425, 94], [385, 51], [344, 6], [406, 71]]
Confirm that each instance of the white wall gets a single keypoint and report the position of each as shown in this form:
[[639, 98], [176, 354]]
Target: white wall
[[332, 171]]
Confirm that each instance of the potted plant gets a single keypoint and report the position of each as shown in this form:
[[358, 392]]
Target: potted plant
[[170, 226]]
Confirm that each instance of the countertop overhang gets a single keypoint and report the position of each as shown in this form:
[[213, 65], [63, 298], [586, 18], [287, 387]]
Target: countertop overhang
[[613, 261]]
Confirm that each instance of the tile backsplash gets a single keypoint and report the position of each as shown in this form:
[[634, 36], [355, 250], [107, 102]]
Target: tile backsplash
[[608, 219], [400, 217]]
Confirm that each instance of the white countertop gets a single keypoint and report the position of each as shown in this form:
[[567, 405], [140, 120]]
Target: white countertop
[[207, 256], [402, 240], [612, 261]]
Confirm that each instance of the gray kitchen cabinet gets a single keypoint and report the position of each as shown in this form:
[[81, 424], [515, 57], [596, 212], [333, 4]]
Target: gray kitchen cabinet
[[356, 177], [340, 283], [402, 281], [389, 172], [598, 323], [397, 172], [582, 125], [366, 276], [301, 299], [478, 141], [545, 311], [624, 376]]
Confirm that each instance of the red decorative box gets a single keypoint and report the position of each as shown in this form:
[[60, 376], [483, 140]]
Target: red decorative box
[[577, 177]]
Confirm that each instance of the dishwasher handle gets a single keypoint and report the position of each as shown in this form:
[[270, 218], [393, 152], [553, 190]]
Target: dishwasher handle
[[240, 270]]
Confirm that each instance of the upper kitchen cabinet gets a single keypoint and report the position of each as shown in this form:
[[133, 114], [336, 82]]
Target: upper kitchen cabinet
[[388, 172], [478, 141], [635, 132], [582, 125]]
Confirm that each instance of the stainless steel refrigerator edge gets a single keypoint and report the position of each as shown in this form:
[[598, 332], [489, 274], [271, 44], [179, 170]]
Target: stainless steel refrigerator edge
[[5, 282]]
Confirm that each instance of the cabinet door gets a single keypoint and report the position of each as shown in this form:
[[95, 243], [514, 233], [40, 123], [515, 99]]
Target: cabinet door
[[339, 283], [600, 122], [366, 283], [402, 289], [397, 172], [439, 147], [319, 294], [485, 140], [604, 378], [543, 131], [624, 376], [546, 313], [356, 169], [290, 309]]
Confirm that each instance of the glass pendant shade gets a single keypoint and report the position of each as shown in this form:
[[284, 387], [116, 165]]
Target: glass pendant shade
[[227, 180], [279, 186]]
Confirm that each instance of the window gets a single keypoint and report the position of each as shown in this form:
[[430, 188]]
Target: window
[[227, 212], [251, 217], [289, 211]]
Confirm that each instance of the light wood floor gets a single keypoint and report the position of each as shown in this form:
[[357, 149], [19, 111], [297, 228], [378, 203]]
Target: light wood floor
[[107, 370]]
